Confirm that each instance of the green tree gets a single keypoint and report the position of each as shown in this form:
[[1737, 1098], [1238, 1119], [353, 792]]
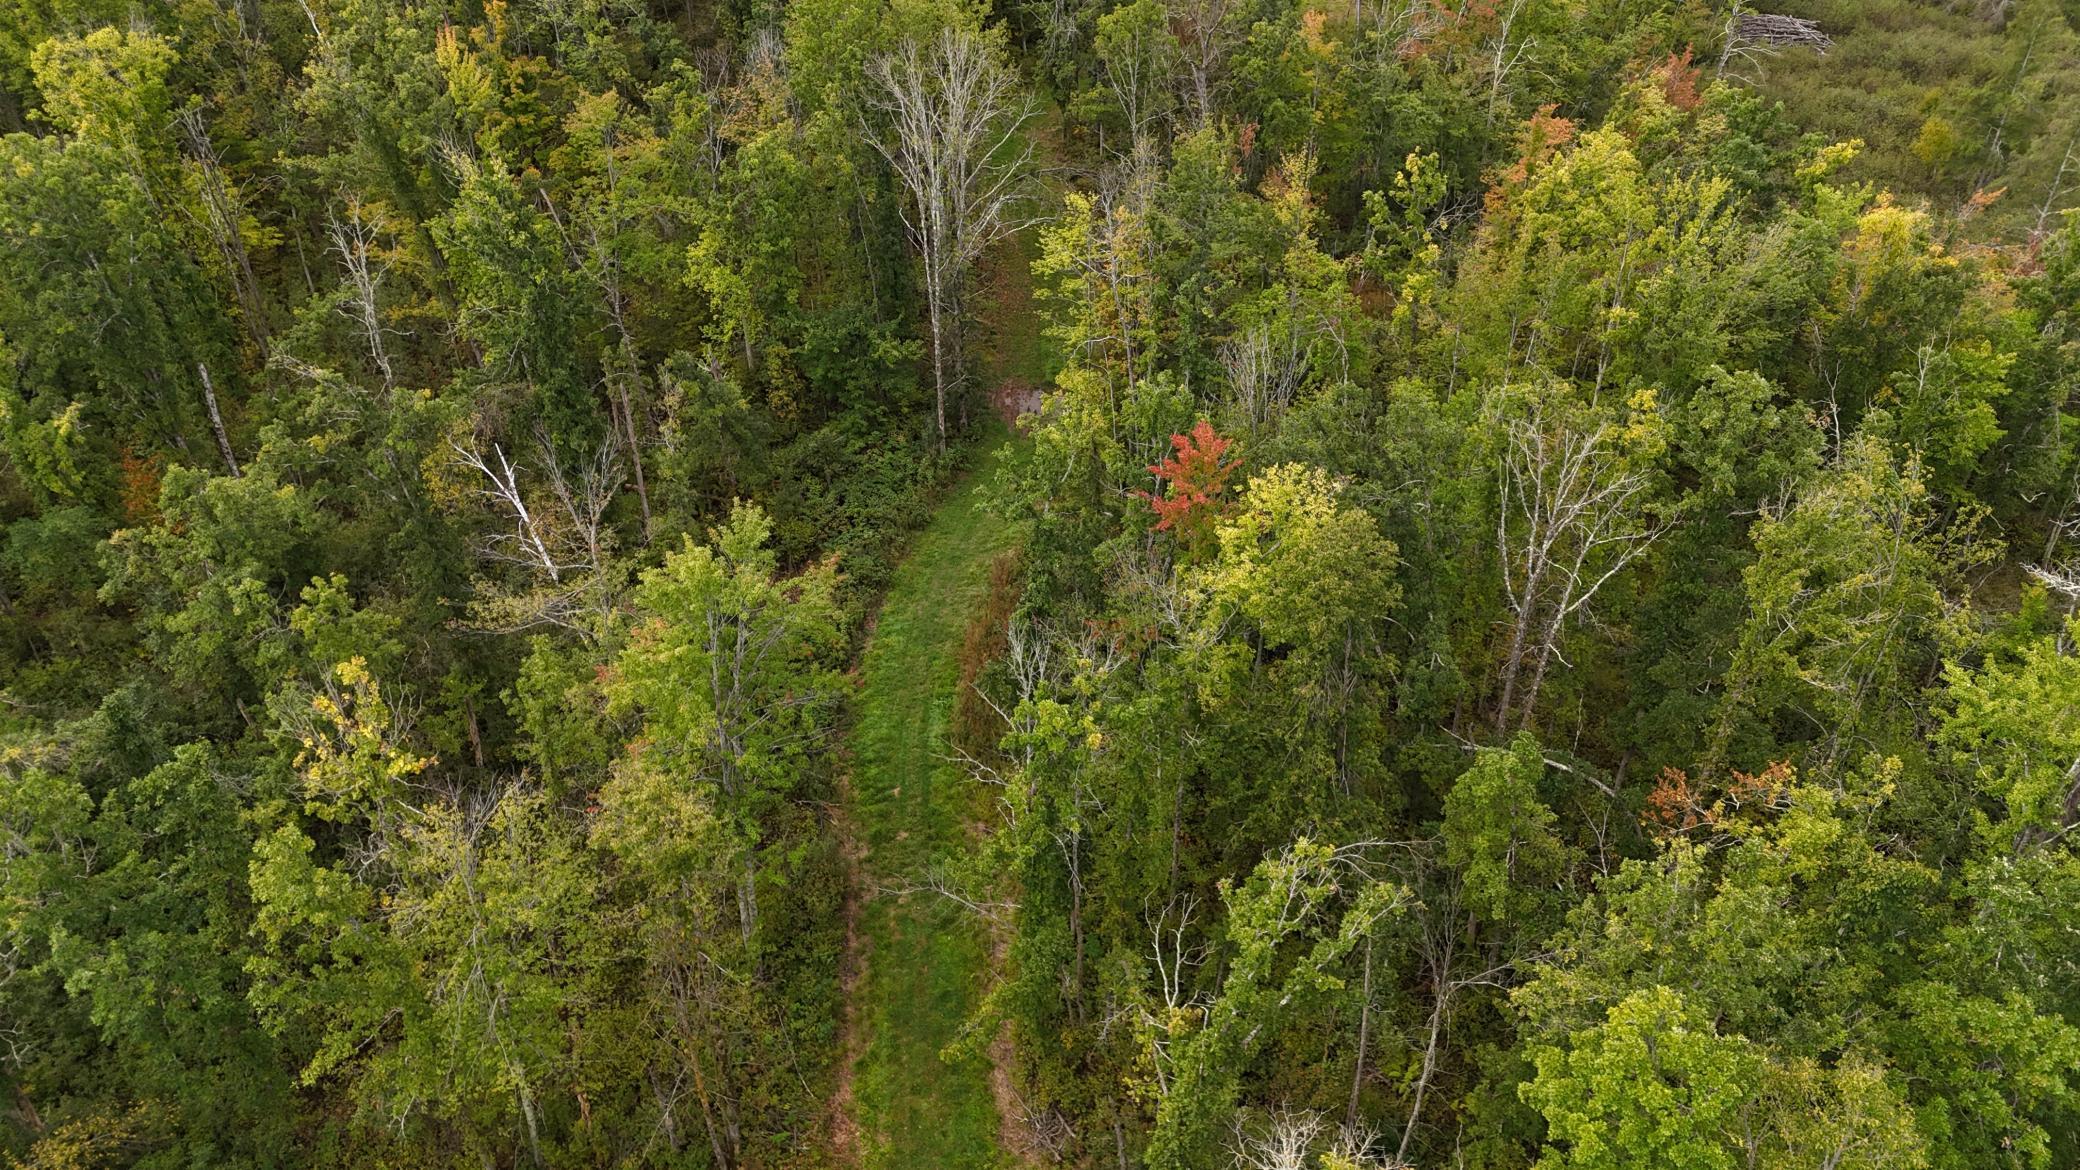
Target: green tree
[[1287, 900], [1499, 835], [1653, 1085], [429, 960]]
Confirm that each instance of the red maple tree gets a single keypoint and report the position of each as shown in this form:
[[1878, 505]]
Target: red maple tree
[[1194, 476]]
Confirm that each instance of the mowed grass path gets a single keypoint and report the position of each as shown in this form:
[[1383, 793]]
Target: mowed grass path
[[925, 961]]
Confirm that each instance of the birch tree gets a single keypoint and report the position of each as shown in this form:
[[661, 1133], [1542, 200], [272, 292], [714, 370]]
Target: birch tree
[[223, 218], [1573, 515], [954, 113], [354, 239], [1138, 56], [559, 540], [1207, 36]]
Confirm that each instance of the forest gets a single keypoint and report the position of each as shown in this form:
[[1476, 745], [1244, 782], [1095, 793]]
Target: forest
[[937, 584]]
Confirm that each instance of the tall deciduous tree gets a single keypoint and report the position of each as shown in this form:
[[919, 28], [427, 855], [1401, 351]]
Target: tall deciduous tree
[[1575, 512], [729, 664], [955, 116], [1289, 897], [729, 667]]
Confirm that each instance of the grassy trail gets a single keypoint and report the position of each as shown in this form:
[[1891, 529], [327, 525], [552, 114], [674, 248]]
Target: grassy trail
[[920, 964], [924, 962]]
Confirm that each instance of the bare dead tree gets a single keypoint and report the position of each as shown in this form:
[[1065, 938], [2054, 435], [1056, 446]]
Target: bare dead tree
[[942, 882], [2057, 190], [2065, 525], [1028, 655], [2063, 580], [216, 420], [1505, 59], [525, 544], [559, 536], [1397, 27], [1996, 142], [1171, 953], [1206, 35], [954, 114], [1440, 951], [1440, 945], [1732, 47], [1291, 1137], [1350, 1115], [1572, 517], [585, 499], [1284, 1144], [353, 239], [1264, 369], [1046, 1128], [622, 373], [1148, 571]]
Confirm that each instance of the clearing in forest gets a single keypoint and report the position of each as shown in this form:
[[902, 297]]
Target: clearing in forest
[[923, 962]]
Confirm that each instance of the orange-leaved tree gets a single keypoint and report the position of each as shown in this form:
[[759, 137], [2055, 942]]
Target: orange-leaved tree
[[1195, 478]]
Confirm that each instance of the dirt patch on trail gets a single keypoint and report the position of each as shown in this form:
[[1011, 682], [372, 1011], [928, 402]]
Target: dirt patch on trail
[[1013, 399]]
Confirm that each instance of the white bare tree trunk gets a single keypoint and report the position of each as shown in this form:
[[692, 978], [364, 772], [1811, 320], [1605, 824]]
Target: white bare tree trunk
[[530, 547], [222, 217], [954, 113], [1572, 517], [1505, 60], [352, 239], [623, 369], [216, 420], [2057, 191], [1204, 31]]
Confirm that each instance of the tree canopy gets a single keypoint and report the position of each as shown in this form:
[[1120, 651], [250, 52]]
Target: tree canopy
[[1542, 631]]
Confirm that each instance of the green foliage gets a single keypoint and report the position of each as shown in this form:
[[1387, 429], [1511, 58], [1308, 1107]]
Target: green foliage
[[206, 575], [1653, 1085], [1303, 569], [1287, 899], [1499, 835], [1618, 481], [728, 665], [1847, 595], [2015, 729]]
